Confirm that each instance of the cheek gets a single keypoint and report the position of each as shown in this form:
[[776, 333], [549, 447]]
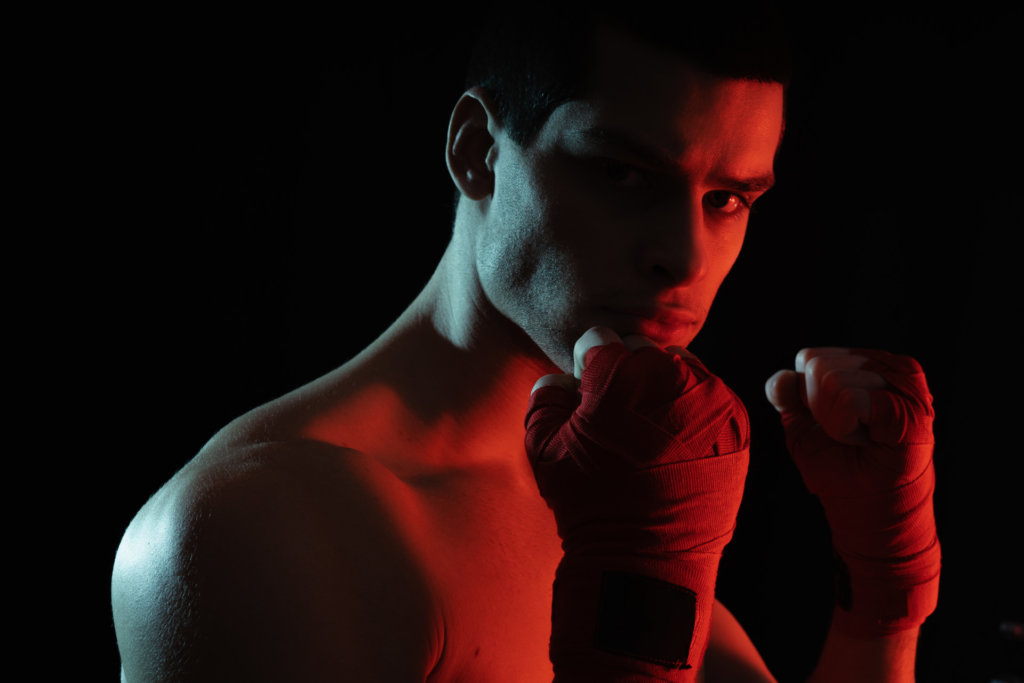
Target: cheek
[[507, 247], [526, 274], [541, 231], [723, 252], [532, 283], [521, 258]]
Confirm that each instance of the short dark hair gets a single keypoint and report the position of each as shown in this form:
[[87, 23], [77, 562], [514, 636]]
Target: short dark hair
[[529, 62]]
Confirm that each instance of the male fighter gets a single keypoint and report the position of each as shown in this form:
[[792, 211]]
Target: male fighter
[[527, 475]]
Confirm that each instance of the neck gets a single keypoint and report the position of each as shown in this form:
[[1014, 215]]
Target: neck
[[451, 375]]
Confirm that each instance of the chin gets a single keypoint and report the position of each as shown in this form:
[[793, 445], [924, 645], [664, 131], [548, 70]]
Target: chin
[[684, 340], [557, 351], [563, 357]]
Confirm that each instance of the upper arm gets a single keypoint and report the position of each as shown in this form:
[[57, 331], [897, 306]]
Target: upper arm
[[731, 656], [269, 574]]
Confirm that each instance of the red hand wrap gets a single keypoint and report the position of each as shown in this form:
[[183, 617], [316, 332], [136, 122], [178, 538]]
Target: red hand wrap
[[878, 501], [645, 475]]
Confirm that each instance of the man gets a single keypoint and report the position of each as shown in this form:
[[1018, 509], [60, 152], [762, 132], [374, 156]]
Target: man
[[384, 522]]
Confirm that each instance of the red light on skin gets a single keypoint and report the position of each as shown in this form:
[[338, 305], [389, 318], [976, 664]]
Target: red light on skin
[[356, 424], [664, 325]]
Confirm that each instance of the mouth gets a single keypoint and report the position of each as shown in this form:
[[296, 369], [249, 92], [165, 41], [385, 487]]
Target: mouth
[[663, 324]]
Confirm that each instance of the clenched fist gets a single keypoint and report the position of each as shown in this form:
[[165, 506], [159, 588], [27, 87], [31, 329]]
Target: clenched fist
[[858, 424], [643, 464]]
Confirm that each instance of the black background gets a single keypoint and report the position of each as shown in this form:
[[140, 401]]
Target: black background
[[262, 200]]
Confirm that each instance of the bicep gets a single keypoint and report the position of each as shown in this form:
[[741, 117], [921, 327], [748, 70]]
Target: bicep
[[264, 580]]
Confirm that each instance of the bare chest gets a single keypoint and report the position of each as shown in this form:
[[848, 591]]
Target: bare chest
[[490, 548]]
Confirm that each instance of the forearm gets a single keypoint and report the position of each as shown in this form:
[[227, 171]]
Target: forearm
[[859, 426], [884, 659]]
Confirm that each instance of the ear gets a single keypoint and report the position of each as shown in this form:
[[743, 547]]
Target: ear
[[471, 149]]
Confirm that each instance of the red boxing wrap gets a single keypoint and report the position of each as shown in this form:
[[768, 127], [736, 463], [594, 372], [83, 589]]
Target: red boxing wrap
[[878, 501], [644, 471]]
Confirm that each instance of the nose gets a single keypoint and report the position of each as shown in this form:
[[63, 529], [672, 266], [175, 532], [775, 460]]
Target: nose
[[674, 247]]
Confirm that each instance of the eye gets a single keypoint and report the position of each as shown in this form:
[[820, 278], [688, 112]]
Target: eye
[[620, 174], [725, 202]]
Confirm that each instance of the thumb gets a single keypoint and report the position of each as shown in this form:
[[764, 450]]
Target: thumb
[[567, 383], [783, 391]]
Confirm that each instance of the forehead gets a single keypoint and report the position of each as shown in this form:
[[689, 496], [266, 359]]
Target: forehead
[[665, 103]]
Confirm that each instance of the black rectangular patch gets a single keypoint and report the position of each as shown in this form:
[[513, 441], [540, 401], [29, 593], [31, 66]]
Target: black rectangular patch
[[645, 618]]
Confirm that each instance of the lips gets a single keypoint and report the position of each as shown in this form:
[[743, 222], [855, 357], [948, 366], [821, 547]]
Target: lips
[[660, 322]]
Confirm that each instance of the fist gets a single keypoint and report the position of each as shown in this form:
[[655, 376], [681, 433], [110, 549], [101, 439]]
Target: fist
[[857, 421], [859, 427], [634, 437], [641, 456], [634, 405]]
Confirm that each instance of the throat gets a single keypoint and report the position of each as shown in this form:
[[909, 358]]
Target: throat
[[418, 397]]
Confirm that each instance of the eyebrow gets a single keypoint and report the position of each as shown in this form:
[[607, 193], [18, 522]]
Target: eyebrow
[[662, 159]]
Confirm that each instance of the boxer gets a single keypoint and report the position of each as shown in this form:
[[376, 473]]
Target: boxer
[[528, 477]]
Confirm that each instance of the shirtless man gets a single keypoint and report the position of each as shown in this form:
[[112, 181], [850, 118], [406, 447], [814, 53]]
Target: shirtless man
[[383, 523]]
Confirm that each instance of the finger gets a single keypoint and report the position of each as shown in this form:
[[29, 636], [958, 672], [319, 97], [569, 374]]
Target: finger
[[817, 367], [783, 390], [807, 358], [825, 384], [564, 382], [592, 338], [884, 359], [898, 418], [804, 356], [844, 413], [851, 391], [550, 407], [902, 412]]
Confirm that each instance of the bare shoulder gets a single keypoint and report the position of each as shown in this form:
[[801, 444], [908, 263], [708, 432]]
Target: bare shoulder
[[731, 655], [274, 561]]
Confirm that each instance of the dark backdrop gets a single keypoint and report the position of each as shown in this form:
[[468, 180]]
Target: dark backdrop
[[268, 200]]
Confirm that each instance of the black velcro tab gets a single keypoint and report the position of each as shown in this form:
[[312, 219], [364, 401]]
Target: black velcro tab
[[645, 618]]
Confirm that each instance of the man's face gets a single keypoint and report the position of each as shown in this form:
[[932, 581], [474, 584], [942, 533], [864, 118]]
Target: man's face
[[630, 206]]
